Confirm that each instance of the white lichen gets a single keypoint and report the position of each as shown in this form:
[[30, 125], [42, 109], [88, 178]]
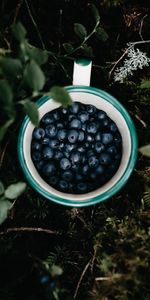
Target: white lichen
[[135, 60]]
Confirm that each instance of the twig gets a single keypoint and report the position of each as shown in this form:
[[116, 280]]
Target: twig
[[141, 26], [28, 229], [20, 2], [35, 25], [3, 154], [81, 278], [124, 53]]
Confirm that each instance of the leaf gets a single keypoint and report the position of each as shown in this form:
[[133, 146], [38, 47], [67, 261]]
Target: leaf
[[3, 128], [59, 94], [1, 188], [15, 190], [31, 109], [101, 34], [87, 50], [5, 206], [145, 84], [68, 47], [11, 67], [6, 96], [19, 31], [145, 150], [40, 56], [80, 30], [95, 13], [33, 76]]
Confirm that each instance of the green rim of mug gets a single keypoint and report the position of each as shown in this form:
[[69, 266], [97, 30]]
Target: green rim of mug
[[118, 185]]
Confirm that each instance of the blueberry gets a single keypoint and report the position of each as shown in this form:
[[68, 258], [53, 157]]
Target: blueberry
[[72, 136], [58, 155], [101, 115], [74, 108], [105, 159], [112, 150], [99, 147], [81, 187], [98, 137], [36, 146], [75, 123], [105, 123], [61, 145], [75, 168], [47, 119], [62, 134], [91, 109], [93, 175], [51, 130], [56, 115], [45, 141], [64, 111], [90, 153], [81, 136], [39, 164], [47, 153], [63, 185], [49, 169], [69, 147], [59, 125], [54, 144], [89, 138], [67, 175], [85, 169], [83, 116], [99, 170], [107, 138], [81, 149], [36, 156], [92, 128], [78, 177], [45, 279], [38, 133], [118, 140], [113, 127], [93, 161], [52, 180], [88, 145], [83, 127], [75, 157], [65, 164], [71, 117]]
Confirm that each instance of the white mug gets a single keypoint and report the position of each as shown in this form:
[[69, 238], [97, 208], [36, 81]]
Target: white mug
[[82, 91]]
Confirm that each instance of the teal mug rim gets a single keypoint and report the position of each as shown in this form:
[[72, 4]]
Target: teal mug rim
[[118, 185]]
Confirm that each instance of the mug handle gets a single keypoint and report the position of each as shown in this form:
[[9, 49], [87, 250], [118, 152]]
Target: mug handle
[[82, 72]]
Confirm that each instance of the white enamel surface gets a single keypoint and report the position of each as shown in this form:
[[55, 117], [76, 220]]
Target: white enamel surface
[[82, 74], [112, 113]]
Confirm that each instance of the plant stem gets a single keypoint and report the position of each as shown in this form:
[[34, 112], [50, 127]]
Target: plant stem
[[27, 229]]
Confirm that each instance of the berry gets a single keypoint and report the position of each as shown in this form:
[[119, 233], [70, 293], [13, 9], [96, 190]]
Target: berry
[[67, 175], [83, 116], [74, 108], [99, 147], [49, 169], [72, 136], [91, 109], [81, 136], [112, 150], [82, 187], [62, 185], [58, 155], [36, 146], [101, 115], [36, 156], [69, 147], [113, 127], [52, 180], [65, 164], [53, 143], [98, 137], [93, 161], [47, 119], [62, 134], [89, 137], [75, 157], [75, 123], [85, 169], [107, 138], [100, 170], [105, 159], [51, 130], [38, 133], [92, 128], [47, 153], [45, 141]]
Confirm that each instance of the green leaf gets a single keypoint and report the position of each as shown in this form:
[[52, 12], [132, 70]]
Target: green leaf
[[19, 31], [145, 150], [5, 206], [145, 84], [40, 56], [80, 30], [4, 128], [101, 34], [56, 270], [1, 188], [95, 13], [6, 95], [68, 47], [11, 67], [15, 190], [31, 109], [59, 94], [87, 50], [33, 76]]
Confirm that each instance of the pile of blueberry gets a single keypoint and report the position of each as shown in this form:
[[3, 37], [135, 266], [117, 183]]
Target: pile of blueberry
[[76, 149]]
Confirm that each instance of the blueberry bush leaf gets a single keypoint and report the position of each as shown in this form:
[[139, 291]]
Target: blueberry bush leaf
[[31, 109], [15, 190], [19, 31], [5, 206], [1, 188], [95, 13], [145, 84], [145, 150], [33, 76], [60, 95], [80, 30], [101, 34]]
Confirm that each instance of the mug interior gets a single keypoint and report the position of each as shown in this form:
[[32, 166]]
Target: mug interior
[[116, 112]]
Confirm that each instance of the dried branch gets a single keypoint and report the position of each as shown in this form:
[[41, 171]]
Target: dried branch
[[28, 229], [81, 278]]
